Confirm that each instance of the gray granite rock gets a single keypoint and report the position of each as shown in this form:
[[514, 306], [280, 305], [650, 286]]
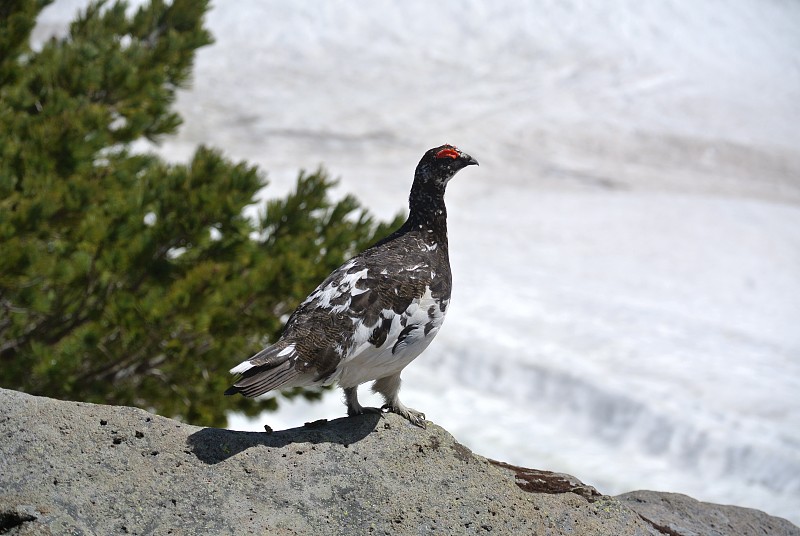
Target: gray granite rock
[[676, 514], [77, 468]]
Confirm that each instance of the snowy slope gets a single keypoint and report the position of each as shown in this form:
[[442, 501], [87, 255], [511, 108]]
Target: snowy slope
[[626, 259]]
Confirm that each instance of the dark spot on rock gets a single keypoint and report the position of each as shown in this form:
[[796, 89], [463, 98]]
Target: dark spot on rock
[[538, 481], [117, 440], [103, 422], [462, 452], [10, 520], [139, 434]]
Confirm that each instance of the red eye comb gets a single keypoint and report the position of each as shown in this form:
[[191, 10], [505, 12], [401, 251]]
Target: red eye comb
[[447, 153]]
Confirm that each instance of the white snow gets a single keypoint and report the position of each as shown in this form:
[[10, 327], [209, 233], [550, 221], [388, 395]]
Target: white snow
[[626, 259]]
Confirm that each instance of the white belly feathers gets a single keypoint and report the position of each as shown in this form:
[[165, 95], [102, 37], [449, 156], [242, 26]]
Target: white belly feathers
[[408, 334]]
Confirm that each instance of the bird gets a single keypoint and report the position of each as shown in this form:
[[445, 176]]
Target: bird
[[374, 314]]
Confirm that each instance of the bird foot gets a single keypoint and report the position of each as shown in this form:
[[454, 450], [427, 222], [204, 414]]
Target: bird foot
[[353, 407], [417, 418]]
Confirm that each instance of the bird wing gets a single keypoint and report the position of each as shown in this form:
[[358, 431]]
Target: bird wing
[[365, 316], [360, 322], [269, 369]]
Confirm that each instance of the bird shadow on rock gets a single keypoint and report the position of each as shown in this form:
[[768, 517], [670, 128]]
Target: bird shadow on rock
[[214, 445]]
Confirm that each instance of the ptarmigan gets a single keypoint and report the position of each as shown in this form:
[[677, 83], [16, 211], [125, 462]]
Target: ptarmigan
[[377, 312]]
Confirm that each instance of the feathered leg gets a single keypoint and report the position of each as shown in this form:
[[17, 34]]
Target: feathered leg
[[353, 406], [389, 387]]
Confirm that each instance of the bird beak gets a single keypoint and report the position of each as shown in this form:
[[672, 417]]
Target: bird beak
[[468, 160]]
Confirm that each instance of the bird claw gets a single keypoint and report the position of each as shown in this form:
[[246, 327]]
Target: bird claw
[[417, 418]]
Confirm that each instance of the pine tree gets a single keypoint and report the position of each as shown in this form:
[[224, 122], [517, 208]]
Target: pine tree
[[125, 279]]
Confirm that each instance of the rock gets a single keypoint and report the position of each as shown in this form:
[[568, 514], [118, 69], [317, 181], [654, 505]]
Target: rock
[[71, 467], [676, 514]]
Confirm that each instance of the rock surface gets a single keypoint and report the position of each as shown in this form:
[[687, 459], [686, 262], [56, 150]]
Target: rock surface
[[673, 513], [77, 468]]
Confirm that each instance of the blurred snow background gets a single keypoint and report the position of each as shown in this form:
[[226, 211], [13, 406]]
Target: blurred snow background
[[626, 259]]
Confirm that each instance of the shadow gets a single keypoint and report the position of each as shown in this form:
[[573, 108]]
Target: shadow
[[214, 445]]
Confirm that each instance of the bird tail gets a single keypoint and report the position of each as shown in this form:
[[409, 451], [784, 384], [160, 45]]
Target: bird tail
[[271, 368]]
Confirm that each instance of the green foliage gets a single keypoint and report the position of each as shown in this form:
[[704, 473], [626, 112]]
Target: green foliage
[[125, 279]]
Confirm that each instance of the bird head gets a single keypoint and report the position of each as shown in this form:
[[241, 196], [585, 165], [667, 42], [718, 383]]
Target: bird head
[[438, 165]]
